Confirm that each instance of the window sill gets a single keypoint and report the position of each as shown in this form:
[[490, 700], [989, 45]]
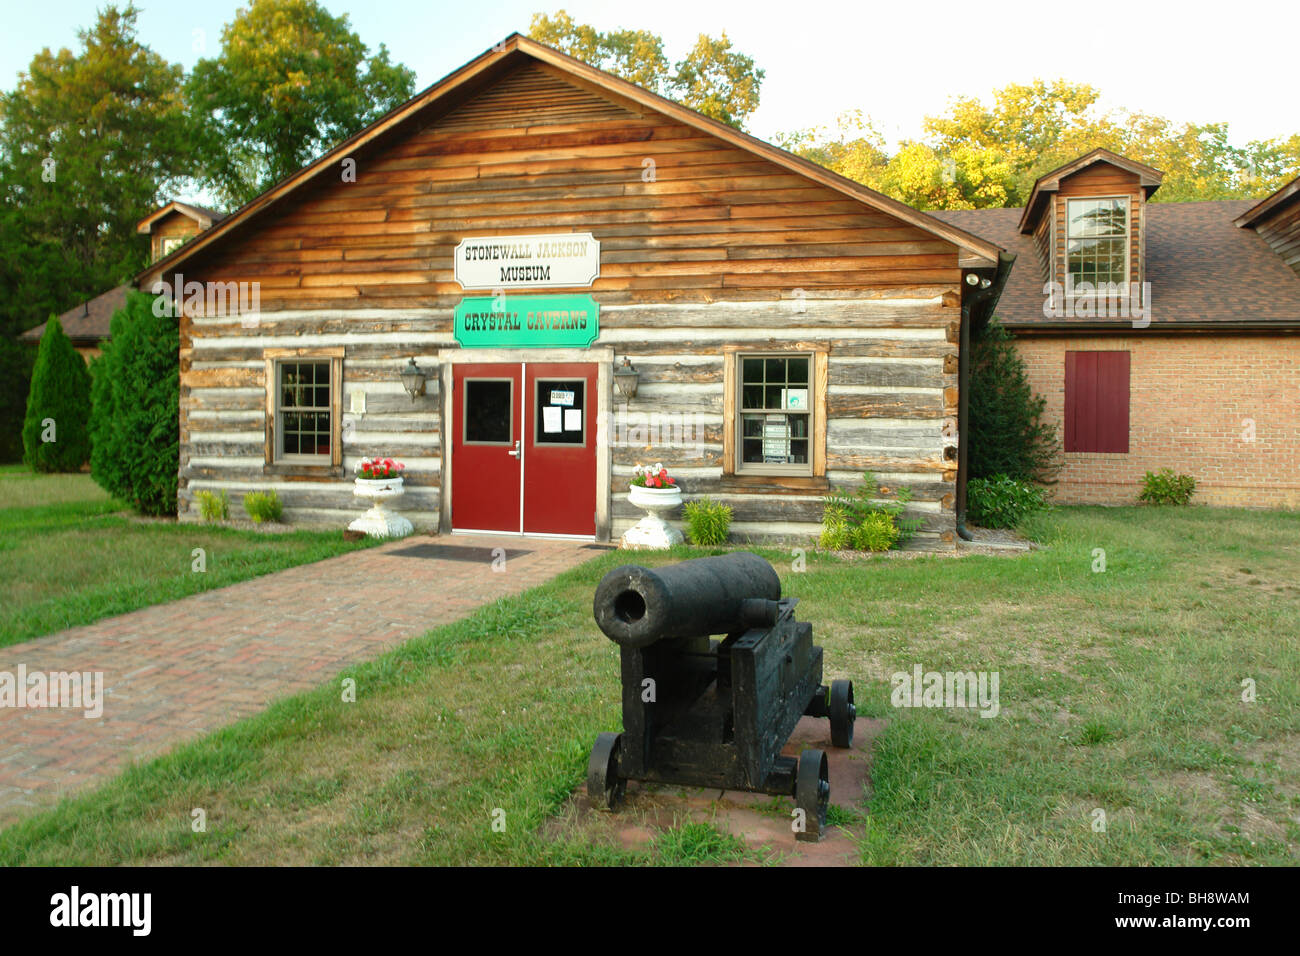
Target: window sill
[[292, 470], [794, 482]]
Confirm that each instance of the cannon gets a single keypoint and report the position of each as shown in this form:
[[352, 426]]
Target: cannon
[[706, 712]]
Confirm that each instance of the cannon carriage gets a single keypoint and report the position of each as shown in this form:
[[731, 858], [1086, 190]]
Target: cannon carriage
[[716, 672]]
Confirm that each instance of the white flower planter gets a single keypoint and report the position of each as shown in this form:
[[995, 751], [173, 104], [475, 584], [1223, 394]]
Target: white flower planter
[[378, 522], [653, 533]]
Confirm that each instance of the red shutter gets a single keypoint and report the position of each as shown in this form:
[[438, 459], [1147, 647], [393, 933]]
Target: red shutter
[[1096, 401]]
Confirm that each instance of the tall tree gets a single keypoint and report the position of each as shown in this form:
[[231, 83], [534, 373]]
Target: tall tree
[[713, 78], [89, 142], [291, 81]]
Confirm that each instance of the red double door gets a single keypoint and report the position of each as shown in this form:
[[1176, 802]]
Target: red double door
[[523, 453]]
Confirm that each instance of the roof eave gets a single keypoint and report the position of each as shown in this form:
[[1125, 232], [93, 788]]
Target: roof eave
[[1269, 204]]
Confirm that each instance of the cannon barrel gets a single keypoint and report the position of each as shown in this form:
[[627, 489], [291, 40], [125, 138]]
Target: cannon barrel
[[636, 606]]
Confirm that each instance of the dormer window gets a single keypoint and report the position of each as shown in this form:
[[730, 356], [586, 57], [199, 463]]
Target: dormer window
[[1097, 241], [169, 244]]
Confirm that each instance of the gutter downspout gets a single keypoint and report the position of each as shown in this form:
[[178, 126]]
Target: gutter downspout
[[978, 304]]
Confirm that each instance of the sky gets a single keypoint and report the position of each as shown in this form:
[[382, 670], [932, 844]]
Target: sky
[[897, 61]]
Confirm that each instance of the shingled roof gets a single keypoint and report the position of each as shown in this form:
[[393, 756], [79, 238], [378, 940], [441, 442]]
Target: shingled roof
[[1204, 271], [86, 324]]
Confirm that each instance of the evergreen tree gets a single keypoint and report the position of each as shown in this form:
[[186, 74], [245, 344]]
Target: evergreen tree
[[136, 418], [1007, 433], [56, 435]]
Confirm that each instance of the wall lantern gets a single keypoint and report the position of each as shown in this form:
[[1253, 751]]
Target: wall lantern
[[625, 379], [413, 379]]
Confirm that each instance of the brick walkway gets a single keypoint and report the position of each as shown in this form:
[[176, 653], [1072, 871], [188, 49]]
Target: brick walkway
[[177, 670]]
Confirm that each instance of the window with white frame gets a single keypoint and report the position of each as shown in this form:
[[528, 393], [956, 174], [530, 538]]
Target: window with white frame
[[774, 419], [1096, 241]]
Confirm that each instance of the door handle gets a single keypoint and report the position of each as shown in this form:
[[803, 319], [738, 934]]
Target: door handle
[[514, 451]]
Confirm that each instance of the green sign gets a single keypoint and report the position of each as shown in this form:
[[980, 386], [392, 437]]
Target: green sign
[[527, 321]]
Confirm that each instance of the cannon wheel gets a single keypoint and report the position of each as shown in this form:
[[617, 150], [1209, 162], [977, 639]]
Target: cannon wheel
[[842, 713], [604, 786], [812, 794]]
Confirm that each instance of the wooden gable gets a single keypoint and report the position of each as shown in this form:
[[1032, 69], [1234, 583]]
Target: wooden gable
[[681, 214]]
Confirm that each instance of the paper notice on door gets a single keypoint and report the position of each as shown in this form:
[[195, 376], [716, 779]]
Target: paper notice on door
[[561, 398], [573, 419], [551, 419]]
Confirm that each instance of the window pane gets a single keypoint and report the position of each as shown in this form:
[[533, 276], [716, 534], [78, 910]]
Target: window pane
[[798, 371], [752, 426], [1096, 217], [799, 426], [564, 396], [752, 396], [753, 450], [752, 371], [773, 396], [799, 451], [775, 370], [488, 407]]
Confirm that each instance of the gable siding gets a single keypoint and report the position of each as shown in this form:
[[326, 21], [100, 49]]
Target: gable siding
[[1282, 232]]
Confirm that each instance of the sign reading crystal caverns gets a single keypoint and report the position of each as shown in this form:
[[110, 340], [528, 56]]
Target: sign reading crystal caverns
[[558, 260], [527, 321]]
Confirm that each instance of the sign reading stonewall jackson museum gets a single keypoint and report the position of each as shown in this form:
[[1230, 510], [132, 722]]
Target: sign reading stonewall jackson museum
[[527, 321], [557, 260]]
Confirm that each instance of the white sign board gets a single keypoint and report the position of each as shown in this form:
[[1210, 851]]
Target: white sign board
[[556, 260]]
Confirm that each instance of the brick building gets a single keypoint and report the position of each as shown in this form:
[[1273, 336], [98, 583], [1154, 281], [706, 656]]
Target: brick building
[[1192, 361]]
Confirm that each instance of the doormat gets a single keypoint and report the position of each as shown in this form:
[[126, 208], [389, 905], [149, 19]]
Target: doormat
[[455, 552]]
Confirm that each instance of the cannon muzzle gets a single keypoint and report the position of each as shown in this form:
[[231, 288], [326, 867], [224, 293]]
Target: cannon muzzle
[[636, 606]]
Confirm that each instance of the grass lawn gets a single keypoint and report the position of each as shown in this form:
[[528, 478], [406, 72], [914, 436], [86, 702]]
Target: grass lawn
[[70, 555], [1120, 690]]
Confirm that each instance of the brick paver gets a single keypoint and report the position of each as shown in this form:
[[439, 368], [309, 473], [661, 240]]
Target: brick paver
[[177, 670]]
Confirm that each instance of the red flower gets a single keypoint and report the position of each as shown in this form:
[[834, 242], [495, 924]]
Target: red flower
[[672, 481]]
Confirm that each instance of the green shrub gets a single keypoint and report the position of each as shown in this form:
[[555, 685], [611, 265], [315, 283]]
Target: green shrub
[[135, 422], [707, 521], [1008, 435], [56, 433], [835, 528], [1163, 487], [213, 507], [263, 506], [1002, 501], [16, 359], [877, 532], [844, 514]]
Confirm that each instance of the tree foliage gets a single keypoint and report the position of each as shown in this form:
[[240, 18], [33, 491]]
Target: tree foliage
[[135, 419], [290, 82], [1007, 433], [712, 78], [56, 433], [89, 142], [15, 384], [977, 156]]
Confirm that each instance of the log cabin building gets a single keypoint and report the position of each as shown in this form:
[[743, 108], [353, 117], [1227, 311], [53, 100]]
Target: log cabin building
[[525, 232]]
